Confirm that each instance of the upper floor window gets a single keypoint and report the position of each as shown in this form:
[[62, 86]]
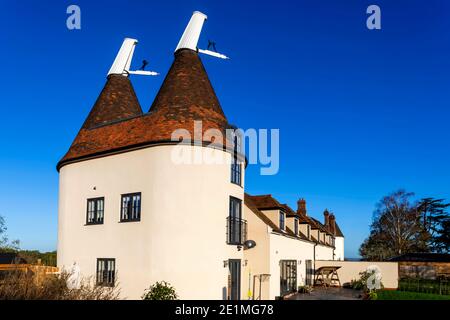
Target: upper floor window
[[130, 207], [296, 226], [236, 167], [282, 220], [237, 139], [106, 272], [236, 171], [236, 226], [95, 211], [308, 231]]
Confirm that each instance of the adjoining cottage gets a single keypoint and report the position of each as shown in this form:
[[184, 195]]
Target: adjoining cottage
[[288, 243]]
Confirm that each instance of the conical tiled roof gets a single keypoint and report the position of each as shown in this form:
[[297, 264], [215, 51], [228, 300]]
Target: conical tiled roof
[[116, 102], [187, 93], [116, 123]]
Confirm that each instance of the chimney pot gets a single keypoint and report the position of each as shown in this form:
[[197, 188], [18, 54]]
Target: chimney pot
[[333, 224], [301, 206], [326, 216]]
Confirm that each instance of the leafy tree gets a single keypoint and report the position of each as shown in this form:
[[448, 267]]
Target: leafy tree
[[400, 226], [5, 244], [442, 239], [435, 222]]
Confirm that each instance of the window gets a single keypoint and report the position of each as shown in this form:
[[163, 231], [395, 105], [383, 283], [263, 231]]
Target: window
[[282, 217], [288, 276], [236, 167], [296, 226], [236, 226], [131, 207], [95, 211], [106, 272], [236, 171], [234, 279], [308, 231]]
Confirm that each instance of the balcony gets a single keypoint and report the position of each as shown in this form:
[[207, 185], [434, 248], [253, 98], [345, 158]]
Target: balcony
[[236, 231]]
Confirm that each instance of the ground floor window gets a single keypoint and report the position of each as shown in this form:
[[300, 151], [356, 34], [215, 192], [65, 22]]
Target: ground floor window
[[309, 273], [234, 279], [288, 276], [106, 272]]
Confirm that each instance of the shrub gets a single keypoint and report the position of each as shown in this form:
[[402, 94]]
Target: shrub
[[363, 282], [372, 295], [25, 285], [160, 291]]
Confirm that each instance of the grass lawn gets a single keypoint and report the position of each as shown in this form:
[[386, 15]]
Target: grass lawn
[[405, 295]]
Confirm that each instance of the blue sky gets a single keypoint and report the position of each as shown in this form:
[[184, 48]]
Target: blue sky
[[361, 113]]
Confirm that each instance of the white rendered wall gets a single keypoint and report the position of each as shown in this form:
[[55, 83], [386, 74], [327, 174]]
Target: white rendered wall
[[339, 250], [324, 252], [181, 237], [284, 248], [349, 270]]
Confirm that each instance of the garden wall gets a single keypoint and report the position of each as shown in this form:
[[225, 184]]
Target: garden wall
[[350, 270], [424, 270]]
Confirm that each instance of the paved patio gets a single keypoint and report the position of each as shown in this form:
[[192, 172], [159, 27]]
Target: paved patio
[[321, 293]]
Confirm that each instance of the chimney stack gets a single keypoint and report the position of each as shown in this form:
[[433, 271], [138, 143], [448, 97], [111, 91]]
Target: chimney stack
[[301, 207], [332, 224], [326, 216]]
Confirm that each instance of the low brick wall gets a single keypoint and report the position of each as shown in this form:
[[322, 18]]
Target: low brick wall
[[423, 270], [350, 270]]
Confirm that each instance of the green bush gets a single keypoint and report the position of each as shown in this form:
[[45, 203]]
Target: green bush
[[362, 282], [160, 291], [372, 295]]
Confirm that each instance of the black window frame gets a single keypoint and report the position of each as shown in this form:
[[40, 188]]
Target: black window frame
[[282, 222], [288, 276], [296, 226], [107, 277], [236, 226], [236, 171], [236, 165], [96, 211], [130, 207]]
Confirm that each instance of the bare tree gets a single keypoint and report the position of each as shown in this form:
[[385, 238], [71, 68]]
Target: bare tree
[[5, 244], [395, 229]]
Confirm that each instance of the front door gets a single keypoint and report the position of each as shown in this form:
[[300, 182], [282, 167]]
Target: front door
[[288, 276], [234, 283]]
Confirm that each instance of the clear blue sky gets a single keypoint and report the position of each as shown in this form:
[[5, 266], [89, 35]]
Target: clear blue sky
[[361, 113]]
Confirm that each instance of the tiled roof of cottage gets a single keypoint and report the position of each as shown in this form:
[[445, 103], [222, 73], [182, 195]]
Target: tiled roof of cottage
[[116, 122], [251, 204], [266, 201], [320, 226]]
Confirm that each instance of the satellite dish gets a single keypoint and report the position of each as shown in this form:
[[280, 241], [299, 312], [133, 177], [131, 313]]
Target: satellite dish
[[249, 244]]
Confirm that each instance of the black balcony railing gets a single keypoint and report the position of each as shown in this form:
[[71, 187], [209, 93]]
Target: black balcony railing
[[236, 231]]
